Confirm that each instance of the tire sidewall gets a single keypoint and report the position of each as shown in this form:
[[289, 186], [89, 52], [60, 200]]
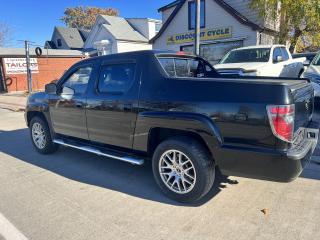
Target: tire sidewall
[[49, 144], [191, 152]]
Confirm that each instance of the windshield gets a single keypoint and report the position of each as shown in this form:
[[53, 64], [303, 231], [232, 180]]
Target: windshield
[[247, 55], [316, 60]]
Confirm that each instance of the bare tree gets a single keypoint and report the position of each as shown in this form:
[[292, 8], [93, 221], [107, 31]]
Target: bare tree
[[5, 34]]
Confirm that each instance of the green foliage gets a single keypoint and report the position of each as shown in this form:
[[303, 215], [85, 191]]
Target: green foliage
[[299, 19], [85, 17]]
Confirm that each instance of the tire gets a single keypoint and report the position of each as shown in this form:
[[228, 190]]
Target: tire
[[194, 156], [39, 127]]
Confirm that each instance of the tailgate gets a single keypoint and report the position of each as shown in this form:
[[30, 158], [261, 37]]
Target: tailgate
[[303, 97]]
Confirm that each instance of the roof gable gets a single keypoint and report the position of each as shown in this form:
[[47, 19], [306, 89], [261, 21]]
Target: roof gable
[[71, 36], [238, 16], [122, 30]]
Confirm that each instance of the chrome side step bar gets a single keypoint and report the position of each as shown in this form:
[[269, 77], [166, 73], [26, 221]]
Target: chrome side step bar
[[128, 159]]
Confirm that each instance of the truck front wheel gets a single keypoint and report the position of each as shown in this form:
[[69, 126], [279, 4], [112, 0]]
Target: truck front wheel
[[41, 137], [183, 169]]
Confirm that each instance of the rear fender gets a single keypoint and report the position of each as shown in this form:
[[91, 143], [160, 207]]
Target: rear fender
[[189, 122]]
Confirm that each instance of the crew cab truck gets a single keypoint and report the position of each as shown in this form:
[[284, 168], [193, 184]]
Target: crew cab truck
[[263, 60], [178, 112]]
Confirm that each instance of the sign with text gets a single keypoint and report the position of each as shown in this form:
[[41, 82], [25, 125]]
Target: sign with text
[[205, 35], [19, 65]]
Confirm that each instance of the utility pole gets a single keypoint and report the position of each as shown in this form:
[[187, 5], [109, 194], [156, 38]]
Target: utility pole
[[197, 29], [29, 74]]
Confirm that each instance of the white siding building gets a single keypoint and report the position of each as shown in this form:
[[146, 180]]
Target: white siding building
[[225, 24], [115, 35]]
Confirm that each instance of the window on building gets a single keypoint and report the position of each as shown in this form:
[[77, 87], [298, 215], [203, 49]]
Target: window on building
[[79, 79], [59, 43], [192, 14], [158, 27], [116, 78]]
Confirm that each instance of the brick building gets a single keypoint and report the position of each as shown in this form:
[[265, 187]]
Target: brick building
[[46, 68]]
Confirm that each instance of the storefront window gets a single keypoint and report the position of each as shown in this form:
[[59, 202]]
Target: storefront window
[[214, 52], [192, 14]]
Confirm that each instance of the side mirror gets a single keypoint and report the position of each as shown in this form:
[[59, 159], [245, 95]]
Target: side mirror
[[51, 88], [67, 93], [279, 59]]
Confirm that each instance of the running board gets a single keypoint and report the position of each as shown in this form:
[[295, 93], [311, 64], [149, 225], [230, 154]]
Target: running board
[[128, 159]]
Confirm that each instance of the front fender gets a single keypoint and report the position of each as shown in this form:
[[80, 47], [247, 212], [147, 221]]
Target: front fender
[[190, 122]]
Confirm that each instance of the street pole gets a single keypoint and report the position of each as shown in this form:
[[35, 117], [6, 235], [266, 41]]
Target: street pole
[[197, 29], [29, 75]]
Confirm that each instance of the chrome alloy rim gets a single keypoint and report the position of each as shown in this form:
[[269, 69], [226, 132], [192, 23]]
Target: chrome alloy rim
[[38, 135], [177, 171]]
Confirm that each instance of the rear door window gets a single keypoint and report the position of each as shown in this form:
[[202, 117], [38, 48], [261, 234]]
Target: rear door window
[[116, 78]]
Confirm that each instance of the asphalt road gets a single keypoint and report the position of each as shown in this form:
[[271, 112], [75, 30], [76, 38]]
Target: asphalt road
[[77, 195]]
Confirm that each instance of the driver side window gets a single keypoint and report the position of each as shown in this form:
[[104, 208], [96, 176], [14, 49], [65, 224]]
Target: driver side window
[[79, 80]]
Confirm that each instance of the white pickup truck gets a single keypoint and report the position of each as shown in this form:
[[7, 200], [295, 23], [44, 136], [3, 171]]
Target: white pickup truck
[[270, 60]]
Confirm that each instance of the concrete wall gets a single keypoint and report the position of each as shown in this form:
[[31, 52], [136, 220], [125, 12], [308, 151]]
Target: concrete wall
[[49, 69], [216, 17]]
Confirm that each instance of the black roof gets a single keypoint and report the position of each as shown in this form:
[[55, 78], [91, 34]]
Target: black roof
[[140, 53], [242, 19]]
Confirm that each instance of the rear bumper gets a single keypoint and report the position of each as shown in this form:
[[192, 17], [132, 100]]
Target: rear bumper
[[282, 166]]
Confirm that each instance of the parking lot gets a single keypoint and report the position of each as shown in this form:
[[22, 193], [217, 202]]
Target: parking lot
[[77, 195]]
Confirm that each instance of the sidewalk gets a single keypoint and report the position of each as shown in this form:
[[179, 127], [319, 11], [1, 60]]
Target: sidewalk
[[14, 102]]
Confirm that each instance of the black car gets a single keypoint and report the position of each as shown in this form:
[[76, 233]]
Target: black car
[[178, 112]]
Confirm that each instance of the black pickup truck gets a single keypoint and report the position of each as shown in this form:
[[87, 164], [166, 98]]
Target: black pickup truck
[[177, 111]]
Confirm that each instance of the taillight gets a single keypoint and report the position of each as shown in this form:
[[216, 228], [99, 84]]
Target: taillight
[[281, 118]]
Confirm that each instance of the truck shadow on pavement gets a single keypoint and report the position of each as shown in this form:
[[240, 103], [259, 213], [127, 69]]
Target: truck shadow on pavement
[[94, 170]]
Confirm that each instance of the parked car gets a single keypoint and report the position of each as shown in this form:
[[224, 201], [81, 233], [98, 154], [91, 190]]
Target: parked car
[[178, 112], [309, 57], [313, 73], [273, 61]]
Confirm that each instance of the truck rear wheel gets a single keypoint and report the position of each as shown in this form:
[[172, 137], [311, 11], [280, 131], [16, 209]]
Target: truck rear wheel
[[183, 169], [41, 136]]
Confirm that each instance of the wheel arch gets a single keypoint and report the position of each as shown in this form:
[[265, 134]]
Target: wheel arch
[[154, 127], [32, 114]]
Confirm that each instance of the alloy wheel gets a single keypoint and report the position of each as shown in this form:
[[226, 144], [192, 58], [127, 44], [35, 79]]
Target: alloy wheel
[[38, 135], [177, 171]]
